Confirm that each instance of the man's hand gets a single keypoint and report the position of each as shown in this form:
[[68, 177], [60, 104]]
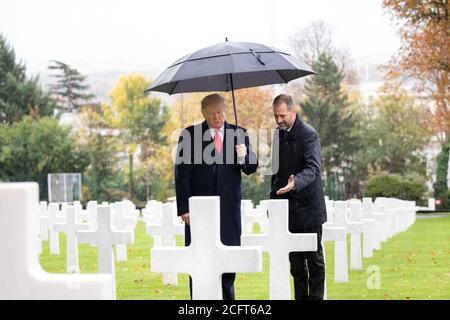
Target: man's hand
[[290, 186], [241, 150], [185, 217]]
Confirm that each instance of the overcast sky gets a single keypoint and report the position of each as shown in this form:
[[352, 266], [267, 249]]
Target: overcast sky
[[129, 35]]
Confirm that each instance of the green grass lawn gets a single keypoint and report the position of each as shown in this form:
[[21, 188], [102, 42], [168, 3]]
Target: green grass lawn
[[413, 265]]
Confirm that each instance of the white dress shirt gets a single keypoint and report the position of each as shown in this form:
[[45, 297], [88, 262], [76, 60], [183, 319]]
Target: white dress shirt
[[212, 131]]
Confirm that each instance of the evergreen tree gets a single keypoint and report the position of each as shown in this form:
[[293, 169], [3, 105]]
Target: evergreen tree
[[327, 109], [19, 96], [440, 186], [70, 89]]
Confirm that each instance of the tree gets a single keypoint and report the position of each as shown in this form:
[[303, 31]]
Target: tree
[[19, 96], [70, 89], [29, 150], [424, 56], [405, 187], [327, 109], [316, 39], [392, 133], [139, 118], [441, 184], [103, 178]]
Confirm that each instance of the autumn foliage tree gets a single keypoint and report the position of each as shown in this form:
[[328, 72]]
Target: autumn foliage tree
[[424, 56], [139, 118]]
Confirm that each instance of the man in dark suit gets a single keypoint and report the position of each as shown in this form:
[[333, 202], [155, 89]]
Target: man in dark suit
[[299, 180], [209, 161]]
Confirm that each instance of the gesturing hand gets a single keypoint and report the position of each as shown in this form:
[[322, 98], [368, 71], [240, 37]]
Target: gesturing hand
[[290, 186]]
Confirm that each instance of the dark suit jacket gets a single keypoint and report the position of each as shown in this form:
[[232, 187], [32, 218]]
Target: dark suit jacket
[[196, 176], [299, 154]]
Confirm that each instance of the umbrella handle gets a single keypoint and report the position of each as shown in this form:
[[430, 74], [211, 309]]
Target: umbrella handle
[[234, 101], [240, 160]]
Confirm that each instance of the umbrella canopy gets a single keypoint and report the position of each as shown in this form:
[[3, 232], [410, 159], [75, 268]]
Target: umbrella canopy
[[227, 66]]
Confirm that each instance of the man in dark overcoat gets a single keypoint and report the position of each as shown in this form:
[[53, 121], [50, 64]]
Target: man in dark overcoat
[[209, 161], [297, 177]]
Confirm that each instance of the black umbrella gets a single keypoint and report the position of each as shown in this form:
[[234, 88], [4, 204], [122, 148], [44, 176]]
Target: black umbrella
[[227, 66]]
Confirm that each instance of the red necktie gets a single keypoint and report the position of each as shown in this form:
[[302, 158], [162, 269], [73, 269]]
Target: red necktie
[[218, 142]]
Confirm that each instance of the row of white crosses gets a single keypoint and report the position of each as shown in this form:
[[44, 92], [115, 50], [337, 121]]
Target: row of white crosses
[[21, 276], [206, 258], [338, 225], [102, 226], [169, 227], [400, 214], [71, 227], [376, 222], [105, 236], [124, 218], [278, 242], [164, 231]]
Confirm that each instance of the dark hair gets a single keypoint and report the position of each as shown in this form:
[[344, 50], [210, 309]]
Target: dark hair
[[283, 98]]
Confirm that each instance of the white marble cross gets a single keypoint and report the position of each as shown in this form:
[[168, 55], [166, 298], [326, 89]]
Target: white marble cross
[[379, 230], [152, 214], [251, 216], [406, 213], [247, 225], [386, 207], [339, 236], [206, 258], [21, 276], [169, 228], [55, 217], [91, 208], [44, 218], [167, 231], [356, 215], [354, 207], [80, 214], [123, 222], [70, 228], [340, 220], [262, 210], [129, 209], [105, 236], [330, 210], [336, 231], [279, 242]]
